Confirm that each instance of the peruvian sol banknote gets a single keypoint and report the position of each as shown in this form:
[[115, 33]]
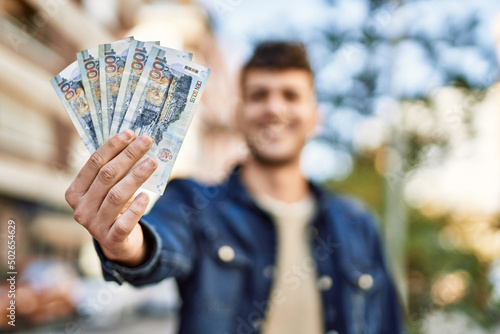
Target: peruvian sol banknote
[[88, 62], [163, 105], [112, 58], [136, 60], [69, 89]]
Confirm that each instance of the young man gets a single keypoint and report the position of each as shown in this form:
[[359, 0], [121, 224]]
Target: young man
[[266, 251]]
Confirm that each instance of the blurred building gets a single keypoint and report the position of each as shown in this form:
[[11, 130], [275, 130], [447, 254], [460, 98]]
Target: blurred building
[[40, 152]]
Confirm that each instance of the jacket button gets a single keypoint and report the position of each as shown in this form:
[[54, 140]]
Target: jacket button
[[257, 324], [226, 253], [325, 283], [365, 281]]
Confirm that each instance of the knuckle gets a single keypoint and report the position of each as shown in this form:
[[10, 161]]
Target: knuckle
[[96, 161], [135, 211], [131, 154], [68, 196], [120, 230], [115, 196], [114, 142], [138, 175], [107, 173], [115, 238], [80, 216]]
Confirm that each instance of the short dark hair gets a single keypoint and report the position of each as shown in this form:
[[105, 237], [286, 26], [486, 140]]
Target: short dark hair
[[278, 56]]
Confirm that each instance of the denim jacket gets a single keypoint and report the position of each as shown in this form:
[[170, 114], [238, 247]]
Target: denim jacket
[[221, 249]]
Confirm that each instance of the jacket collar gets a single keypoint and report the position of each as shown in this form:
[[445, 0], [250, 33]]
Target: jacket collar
[[237, 190]]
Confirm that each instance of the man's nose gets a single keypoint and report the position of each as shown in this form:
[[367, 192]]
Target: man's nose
[[275, 106]]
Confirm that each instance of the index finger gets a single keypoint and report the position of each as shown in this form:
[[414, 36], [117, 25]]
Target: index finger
[[99, 158]]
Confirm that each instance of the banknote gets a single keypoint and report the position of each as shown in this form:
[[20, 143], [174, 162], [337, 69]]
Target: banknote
[[149, 88], [112, 58], [163, 105], [88, 62], [69, 89], [178, 53], [150, 93], [136, 59]]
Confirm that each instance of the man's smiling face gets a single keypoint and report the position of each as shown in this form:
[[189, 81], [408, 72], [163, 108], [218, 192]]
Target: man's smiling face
[[277, 113]]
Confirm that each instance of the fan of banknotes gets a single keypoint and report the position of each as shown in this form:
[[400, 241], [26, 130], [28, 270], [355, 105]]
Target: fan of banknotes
[[129, 84]]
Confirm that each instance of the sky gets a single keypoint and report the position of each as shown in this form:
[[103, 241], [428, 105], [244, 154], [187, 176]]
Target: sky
[[239, 23]]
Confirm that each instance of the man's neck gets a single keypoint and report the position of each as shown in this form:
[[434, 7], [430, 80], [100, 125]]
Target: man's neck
[[284, 183]]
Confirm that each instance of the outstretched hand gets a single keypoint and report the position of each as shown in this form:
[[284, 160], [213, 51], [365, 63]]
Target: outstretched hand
[[102, 196]]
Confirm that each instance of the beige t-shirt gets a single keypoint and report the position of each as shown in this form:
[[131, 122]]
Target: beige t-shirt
[[295, 302]]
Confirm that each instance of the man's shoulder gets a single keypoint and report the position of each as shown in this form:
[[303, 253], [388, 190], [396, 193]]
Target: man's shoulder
[[340, 201], [353, 205], [349, 210]]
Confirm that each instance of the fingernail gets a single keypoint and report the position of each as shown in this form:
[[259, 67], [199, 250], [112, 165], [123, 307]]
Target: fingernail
[[143, 197], [127, 134], [150, 162], [146, 140]]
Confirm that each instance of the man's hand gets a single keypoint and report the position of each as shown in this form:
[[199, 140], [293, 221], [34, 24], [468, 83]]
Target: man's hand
[[102, 196]]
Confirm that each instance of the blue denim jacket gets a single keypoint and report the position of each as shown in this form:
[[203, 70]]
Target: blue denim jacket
[[221, 248]]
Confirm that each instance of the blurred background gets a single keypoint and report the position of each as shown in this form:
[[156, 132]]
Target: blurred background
[[410, 107]]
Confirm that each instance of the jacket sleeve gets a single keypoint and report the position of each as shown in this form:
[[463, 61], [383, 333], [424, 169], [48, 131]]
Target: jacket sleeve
[[168, 230]]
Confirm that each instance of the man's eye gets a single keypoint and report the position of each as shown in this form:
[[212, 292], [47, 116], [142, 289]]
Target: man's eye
[[291, 96], [258, 96]]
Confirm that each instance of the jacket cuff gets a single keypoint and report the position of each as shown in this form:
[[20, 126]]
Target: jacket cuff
[[113, 271]]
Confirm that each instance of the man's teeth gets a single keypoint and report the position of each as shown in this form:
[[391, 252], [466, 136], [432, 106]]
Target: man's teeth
[[276, 127]]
